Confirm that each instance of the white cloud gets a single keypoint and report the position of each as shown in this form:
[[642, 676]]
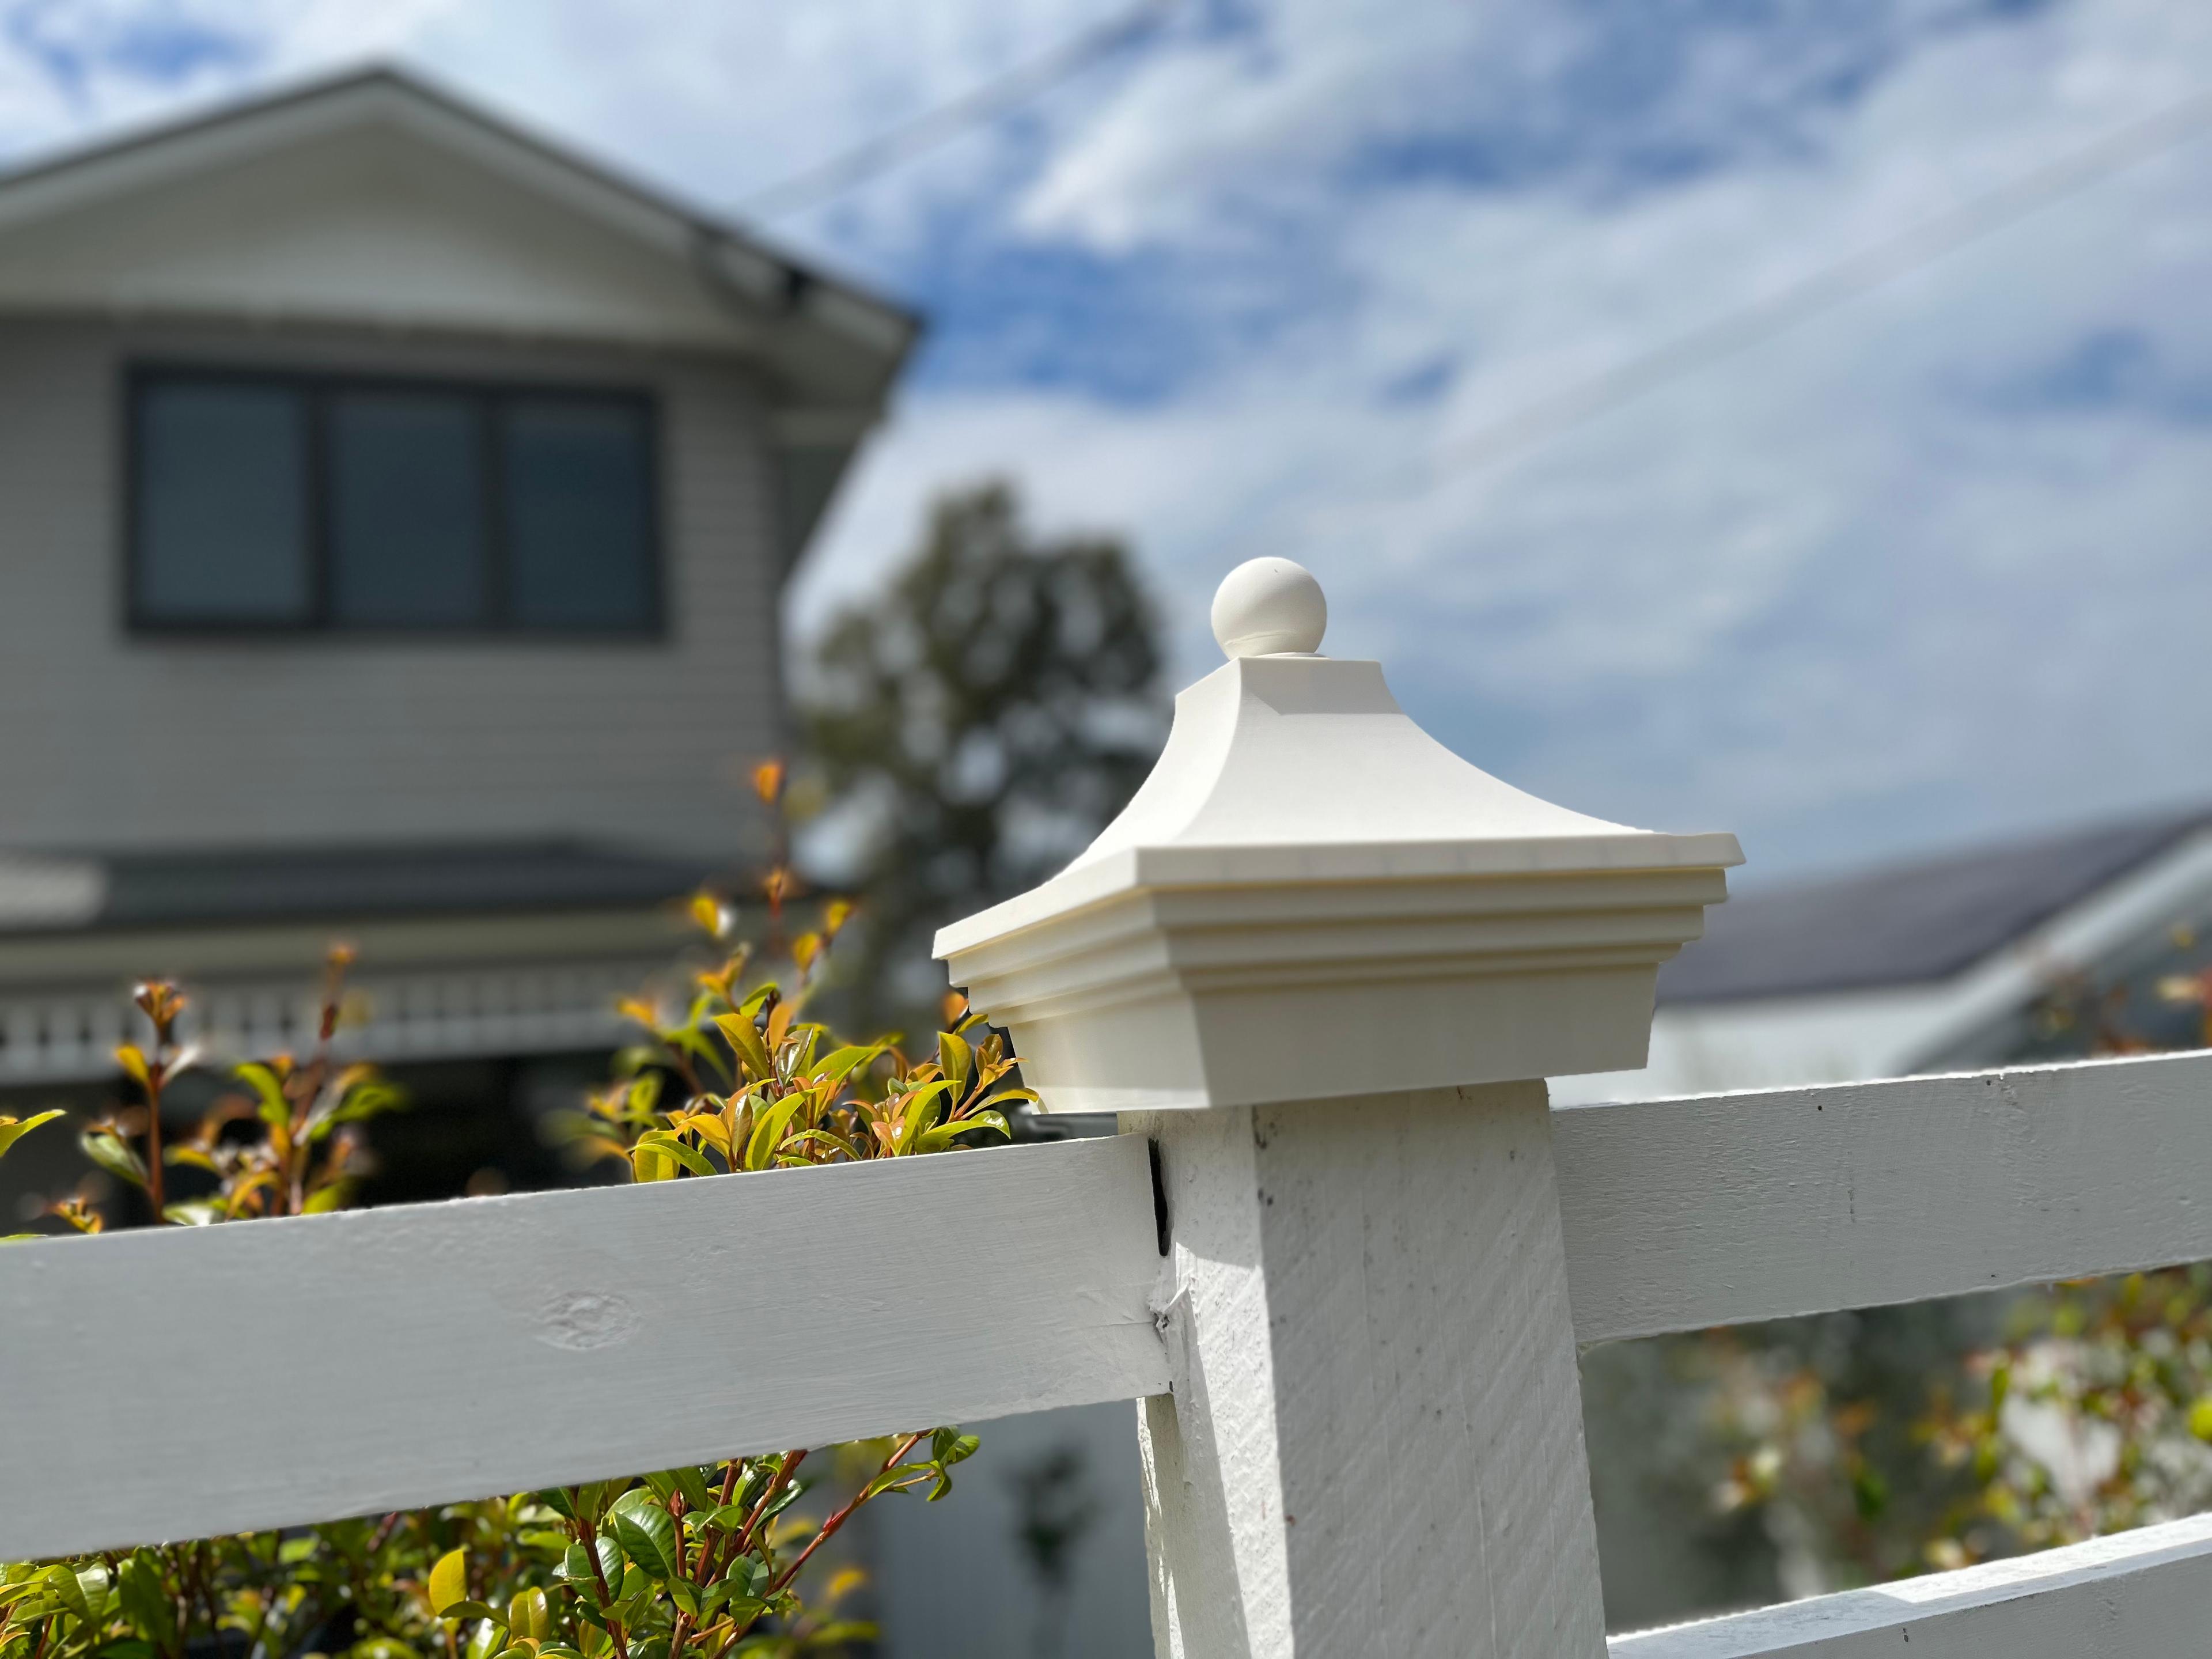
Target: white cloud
[[75, 68], [1851, 588], [1830, 590]]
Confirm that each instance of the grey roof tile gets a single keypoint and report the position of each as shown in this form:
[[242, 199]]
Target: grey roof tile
[[1906, 924]]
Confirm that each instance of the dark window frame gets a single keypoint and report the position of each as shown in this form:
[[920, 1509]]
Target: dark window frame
[[318, 389]]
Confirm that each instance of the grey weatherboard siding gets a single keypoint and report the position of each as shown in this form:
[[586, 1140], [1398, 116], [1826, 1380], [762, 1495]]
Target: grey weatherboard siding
[[141, 740]]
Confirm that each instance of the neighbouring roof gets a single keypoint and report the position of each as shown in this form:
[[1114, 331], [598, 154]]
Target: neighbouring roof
[[1907, 924], [146, 889]]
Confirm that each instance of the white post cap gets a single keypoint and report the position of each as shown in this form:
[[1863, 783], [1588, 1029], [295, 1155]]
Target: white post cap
[[1266, 607], [1311, 896]]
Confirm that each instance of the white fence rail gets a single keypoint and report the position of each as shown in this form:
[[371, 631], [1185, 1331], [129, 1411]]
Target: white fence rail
[[1724, 1209], [300, 1370], [442, 1352], [2133, 1597], [1351, 1321]]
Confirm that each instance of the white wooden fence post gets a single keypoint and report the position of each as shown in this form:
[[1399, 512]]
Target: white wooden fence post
[[1352, 951]]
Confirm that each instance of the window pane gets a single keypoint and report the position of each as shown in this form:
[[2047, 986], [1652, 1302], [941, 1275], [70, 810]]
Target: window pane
[[579, 513], [406, 510], [221, 512]]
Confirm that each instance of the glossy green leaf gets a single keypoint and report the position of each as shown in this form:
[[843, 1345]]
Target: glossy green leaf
[[268, 1092], [739, 1029], [132, 1058], [11, 1131], [11, 1594], [840, 1063], [66, 1587], [769, 1123], [948, 1134], [145, 1599], [899, 1479], [108, 1151], [724, 1517], [957, 1059], [691, 1481], [449, 1580], [682, 1151], [647, 1536], [949, 1446], [576, 1566], [919, 1109], [820, 1140], [363, 1100], [529, 1615], [745, 1607]]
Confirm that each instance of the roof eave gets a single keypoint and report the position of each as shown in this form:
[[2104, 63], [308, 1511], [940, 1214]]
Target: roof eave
[[760, 273]]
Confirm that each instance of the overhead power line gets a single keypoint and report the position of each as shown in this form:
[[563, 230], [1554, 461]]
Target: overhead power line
[[1812, 296], [934, 128]]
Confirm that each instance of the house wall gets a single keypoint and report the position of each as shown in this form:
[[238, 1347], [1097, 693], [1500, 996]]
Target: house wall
[[111, 740], [1771, 1043]]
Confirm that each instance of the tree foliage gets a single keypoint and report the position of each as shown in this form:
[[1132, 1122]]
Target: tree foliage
[[976, 725]]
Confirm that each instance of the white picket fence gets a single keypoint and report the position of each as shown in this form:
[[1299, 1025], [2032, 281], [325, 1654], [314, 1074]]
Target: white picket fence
[[1351, 1321]]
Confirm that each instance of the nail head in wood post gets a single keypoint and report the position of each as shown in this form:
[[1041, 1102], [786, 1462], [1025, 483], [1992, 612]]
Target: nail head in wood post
[[1325, 963]]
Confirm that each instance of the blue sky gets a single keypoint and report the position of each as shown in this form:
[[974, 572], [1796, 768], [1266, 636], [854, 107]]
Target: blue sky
[[1934, 564]]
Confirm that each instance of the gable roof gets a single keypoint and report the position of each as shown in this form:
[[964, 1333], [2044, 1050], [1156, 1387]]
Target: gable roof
[[1909, 924], [242, 211]]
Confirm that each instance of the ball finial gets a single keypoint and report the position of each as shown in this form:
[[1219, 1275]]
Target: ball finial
[[1269, 606]]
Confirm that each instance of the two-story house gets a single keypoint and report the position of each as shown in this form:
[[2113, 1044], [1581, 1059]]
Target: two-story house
[[394, 510]]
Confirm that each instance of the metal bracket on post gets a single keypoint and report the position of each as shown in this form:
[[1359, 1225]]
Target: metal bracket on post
[[1320, 961]]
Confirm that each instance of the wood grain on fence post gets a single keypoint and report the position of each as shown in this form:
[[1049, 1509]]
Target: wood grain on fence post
[[1316, 962], [1375, 1445]]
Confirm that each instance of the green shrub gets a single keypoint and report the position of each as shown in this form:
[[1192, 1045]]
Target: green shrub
[[718, 1560]]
